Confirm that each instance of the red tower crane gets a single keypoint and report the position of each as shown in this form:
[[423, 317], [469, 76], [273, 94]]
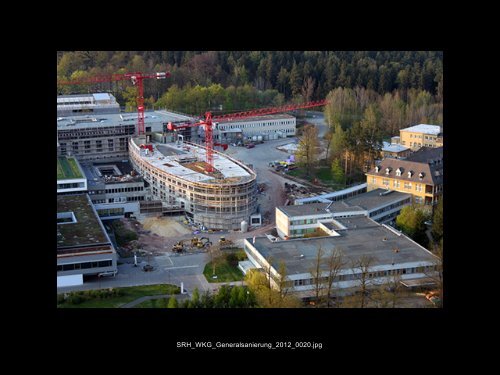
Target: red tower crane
[[207, 122], [135, 78]]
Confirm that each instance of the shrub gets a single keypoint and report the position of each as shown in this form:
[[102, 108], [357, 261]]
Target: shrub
[[75, 299], [232, 259]]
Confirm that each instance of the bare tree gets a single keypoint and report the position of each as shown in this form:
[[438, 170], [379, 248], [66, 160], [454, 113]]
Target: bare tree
[[216, 256], [308, 147], [334, 264], [435, 273], [316, 274], [361, 269]]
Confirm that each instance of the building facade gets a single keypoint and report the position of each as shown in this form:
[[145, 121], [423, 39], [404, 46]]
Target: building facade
[[82, 104], [391, 255], [421, 135], [420, 174], [104, 137], [268, 127], [176, 175], [115, 189], [380, 205]]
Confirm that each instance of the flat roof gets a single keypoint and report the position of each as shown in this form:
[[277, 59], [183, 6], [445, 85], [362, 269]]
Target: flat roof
[[87, 229], [424, 128], [333, 194], [113, 119], [394, 147], [368, 238], [361, 202], [169, 158], [94, 175], [374, 199], [67, 168]]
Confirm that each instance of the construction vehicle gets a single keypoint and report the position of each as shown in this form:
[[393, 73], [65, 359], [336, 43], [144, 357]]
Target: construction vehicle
[[225, 243], [200, 242], [179, 246]]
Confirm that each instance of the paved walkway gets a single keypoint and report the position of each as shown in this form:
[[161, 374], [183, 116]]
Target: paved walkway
[[147, 298]]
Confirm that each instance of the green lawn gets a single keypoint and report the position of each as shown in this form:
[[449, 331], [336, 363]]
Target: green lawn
[[224, 270], [67, 169], [129, 294], [224, 273]]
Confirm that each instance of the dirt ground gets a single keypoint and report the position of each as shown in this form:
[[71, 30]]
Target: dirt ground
[[165, 226], [156, 235]]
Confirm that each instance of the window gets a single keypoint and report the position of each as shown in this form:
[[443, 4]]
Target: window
[[385, 182], [374, 180]]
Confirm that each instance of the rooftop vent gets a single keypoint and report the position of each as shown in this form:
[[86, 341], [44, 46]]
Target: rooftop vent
[[421, 175], [377, 169], [387, 170], [399, 171], [396, 250], [386, 192], [410, 173]]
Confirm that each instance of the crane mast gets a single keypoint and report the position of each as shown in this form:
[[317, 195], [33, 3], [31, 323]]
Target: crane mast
[[136, 79]]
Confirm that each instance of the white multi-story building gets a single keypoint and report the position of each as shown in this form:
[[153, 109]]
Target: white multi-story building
[[386, 253], [380, 205], [268, 127], [80, 104]]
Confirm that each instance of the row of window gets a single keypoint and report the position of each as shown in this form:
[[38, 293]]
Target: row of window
[[407, 185], [309, 221], [104, 212], [367, 275], [85, 265], [125, 190], [71, 186], [257, 125]]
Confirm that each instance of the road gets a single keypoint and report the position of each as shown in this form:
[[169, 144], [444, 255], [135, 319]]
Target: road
[[259, 158], [318, 119]]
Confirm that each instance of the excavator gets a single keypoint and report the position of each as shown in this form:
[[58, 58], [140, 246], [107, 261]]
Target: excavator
[[200, 242], [179, 246], [224, 243]]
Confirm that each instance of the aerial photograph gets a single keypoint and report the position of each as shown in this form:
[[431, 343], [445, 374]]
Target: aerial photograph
[[250, 179]]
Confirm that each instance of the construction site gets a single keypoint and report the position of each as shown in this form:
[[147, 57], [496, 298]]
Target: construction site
[[221, 199]]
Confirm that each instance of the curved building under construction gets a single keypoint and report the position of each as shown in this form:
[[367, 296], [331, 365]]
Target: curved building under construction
[[221, 199]]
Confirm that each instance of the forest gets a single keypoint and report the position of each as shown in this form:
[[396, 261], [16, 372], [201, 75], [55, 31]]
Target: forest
[[239, 80]]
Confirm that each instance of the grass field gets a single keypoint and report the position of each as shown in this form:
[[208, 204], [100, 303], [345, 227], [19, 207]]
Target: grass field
[[129, 294], [225, 271], [67, 168]]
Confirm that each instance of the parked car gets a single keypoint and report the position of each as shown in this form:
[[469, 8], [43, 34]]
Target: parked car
[[250, 145]]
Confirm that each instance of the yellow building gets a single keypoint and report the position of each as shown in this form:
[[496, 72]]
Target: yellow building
[[421, 135], [421, 175]]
